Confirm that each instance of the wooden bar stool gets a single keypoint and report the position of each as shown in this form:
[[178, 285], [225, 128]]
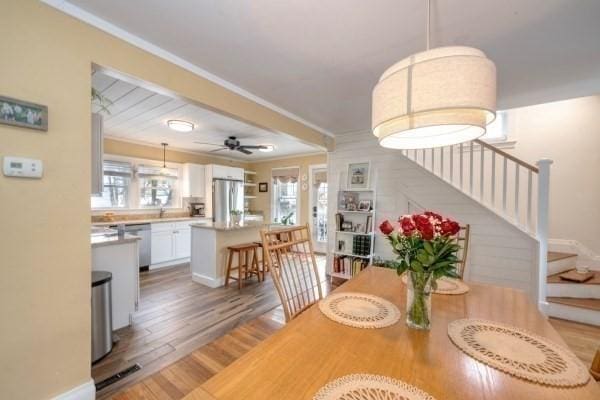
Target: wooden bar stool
[[247, 265]]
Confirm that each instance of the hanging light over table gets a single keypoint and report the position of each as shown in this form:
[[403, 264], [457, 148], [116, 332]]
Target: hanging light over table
[[435, 98], [164, 169]]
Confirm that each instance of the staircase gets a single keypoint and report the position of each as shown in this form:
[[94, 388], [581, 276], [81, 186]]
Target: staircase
[[511, 188], [570, 300]]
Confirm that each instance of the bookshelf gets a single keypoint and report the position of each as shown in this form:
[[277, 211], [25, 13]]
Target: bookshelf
[[354, 239]]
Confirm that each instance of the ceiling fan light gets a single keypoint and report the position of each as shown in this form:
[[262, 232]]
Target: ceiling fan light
[[267, 148], [435, 98], [180, 126]]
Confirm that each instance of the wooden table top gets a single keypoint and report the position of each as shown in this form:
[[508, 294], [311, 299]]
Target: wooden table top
[[312, 350]]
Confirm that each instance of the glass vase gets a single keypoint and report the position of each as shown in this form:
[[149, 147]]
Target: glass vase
[[418, 300]]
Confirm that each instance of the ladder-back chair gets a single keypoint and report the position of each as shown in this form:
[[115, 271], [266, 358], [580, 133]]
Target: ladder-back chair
[[462, 239], [291, 260]]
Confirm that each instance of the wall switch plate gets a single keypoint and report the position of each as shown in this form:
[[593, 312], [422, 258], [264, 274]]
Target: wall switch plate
[[23, 167]]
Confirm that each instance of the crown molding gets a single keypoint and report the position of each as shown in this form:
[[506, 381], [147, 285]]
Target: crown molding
[[97, 22]]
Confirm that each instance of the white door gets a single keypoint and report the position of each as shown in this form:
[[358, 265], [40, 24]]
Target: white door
[[162, 246], [318, 206], [182, 238]]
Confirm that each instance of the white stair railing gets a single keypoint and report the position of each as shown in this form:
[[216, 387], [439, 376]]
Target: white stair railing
[[512, 188]]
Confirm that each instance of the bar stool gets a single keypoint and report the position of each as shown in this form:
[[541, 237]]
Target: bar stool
[[247, 263]]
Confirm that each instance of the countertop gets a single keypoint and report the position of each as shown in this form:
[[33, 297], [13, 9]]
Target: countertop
[[219, 226], [107, 240], [147, 221]]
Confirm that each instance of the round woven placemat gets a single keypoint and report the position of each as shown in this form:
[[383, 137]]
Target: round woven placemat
[[447, 285], [359, 310], [518, 352], [370, 387]]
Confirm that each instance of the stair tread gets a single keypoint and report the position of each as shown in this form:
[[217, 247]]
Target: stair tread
[[556, 255], [590, 304], [556, 279]]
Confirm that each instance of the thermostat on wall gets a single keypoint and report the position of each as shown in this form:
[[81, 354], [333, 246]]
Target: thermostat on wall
[[23, 167]]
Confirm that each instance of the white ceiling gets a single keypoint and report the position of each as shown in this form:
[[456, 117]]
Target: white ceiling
[[320, 59], [141, 115]]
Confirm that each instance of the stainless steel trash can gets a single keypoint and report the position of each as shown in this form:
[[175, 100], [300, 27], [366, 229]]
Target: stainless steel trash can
[[102, 340]]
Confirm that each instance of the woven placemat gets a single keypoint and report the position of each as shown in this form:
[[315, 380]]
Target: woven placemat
[[518, 352], [370, 387], [447, 285], [360, 310]]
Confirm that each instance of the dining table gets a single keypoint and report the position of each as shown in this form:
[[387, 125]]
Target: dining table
[[313, 350]]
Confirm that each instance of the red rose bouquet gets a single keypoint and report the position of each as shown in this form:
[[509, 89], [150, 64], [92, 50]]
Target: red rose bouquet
[[426, 247]]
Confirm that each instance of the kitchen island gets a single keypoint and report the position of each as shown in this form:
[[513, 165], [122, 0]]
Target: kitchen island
[[209, 248]]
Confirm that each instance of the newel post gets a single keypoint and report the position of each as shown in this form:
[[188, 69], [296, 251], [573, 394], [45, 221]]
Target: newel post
[[542, 229]]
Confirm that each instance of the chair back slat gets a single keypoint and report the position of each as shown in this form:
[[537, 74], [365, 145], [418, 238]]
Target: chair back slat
[[291, 259], [462, 238]]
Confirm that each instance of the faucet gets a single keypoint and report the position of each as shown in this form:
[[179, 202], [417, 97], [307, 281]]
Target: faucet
[[161, 212]]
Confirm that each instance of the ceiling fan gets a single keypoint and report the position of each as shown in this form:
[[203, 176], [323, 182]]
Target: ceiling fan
[[231, 143]]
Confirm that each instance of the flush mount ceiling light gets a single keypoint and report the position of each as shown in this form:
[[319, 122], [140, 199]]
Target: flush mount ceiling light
[[180, 126], [266, 148], [434, 98]]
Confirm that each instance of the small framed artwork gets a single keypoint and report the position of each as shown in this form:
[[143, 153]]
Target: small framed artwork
[[24, 114], [358, 175], [364, 205], [263, 187]]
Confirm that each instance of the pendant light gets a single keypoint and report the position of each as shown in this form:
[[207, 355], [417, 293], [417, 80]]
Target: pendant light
[[164, 167], [438, 97]]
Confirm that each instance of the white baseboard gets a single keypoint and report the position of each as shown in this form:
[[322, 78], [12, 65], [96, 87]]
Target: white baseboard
[[169, 263], [208, 281], [87, 391]]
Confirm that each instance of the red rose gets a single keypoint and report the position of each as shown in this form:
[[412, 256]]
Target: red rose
[[450, 228], [424, 226], [434, 215], [386, 228], [407, 225]]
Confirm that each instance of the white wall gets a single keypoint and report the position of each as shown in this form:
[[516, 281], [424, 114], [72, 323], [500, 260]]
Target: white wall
[[567, 132], [500, 254]]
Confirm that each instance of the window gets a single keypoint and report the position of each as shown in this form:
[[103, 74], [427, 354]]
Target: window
[[157, 186], [285, 195], [150, 187], [496, 131], [116, 180]]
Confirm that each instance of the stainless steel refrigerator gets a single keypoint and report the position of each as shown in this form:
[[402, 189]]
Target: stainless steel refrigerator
[[227, 195]]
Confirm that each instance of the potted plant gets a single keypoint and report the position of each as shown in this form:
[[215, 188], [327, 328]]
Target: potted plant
[[426, 247], [236, 216], [287, 220]]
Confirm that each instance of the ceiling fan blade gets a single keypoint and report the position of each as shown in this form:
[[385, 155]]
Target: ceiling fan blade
[[210, 144], [254, 146], [215, 150], [241, 149]]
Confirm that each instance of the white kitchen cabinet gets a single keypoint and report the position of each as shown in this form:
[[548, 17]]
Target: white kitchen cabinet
[[193, 180], [162, 246], [225, 172], [170, 241]]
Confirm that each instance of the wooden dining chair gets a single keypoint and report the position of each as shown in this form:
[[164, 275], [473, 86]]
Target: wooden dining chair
[[595, 369], [293, 268], [462, 238]]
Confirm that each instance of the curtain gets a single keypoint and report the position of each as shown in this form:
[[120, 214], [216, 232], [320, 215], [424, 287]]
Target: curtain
[[286, 175]]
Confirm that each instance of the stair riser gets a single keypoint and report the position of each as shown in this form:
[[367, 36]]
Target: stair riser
[[563, 265], [576, 314], [575, 290]]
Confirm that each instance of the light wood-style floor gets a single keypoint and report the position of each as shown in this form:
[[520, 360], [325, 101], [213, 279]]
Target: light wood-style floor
[[177, 316], [172, 375]]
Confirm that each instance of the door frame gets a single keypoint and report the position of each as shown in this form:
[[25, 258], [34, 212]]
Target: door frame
[[320, 248]]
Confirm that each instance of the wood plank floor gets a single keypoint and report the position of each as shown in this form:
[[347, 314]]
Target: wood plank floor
[[172, 374], [177, 316]]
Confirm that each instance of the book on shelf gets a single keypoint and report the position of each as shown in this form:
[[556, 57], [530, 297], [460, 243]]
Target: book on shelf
[[368, 224], [348, 265]]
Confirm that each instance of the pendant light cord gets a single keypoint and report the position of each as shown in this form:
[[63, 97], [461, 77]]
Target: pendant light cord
[[428, 22]]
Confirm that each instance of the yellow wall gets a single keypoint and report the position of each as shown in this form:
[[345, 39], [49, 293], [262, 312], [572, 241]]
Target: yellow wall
[[46, 58], [263, 174], [120, 148]]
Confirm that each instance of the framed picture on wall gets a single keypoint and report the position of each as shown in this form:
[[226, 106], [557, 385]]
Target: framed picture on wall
[[358, 175], [263, 187], [23, 113]]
